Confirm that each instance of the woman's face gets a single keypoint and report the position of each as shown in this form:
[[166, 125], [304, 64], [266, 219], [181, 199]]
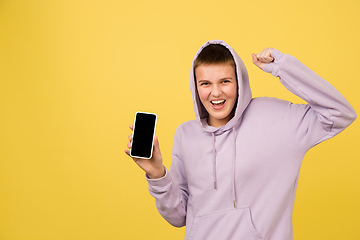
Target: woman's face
[[217, 89]]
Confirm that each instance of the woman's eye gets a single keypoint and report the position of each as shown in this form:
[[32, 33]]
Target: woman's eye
[[226, 81], [204, 84]]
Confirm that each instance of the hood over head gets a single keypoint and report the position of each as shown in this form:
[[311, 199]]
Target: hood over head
[[244, 92]]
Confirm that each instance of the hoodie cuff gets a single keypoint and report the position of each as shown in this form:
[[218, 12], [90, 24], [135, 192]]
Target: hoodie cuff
[[160, 184], [273, 67]]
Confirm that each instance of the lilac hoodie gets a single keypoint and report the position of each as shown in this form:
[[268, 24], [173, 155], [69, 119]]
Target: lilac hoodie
[[238, 181]]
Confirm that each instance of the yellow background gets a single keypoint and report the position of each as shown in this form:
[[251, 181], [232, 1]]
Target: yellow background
[[73, 74]]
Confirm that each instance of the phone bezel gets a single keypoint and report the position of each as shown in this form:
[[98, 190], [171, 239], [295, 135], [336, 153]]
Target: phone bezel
[[134, 129]]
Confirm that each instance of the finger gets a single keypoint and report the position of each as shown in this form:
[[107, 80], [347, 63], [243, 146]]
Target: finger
[[130, 137], [255, 60], [261, 55], [258, 63], [127, 152], [131, 127], [264, 53], [266, 59], [129, 145]]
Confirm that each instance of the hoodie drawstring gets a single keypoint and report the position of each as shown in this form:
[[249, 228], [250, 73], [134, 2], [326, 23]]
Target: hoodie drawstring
[[233, 166], [214, 161]]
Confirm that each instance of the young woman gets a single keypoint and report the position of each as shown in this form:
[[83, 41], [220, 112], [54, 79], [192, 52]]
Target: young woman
[[235, 168]]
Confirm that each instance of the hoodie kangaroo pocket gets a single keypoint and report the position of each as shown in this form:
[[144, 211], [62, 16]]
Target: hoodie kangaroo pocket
[[229, 225]]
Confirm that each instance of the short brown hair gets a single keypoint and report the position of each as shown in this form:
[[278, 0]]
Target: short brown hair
[[214, 54]]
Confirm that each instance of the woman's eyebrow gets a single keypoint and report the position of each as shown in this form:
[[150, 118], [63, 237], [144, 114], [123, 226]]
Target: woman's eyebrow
[[226, 78], [221, 79]]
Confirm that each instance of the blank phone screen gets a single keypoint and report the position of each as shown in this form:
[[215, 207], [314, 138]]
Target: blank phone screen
[[143, 135]]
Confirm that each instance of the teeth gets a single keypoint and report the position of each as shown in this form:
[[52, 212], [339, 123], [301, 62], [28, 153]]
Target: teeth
[[217, 102]]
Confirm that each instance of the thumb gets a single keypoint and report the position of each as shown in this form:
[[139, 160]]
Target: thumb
[[156, 150], [257, 62], [156, 144]]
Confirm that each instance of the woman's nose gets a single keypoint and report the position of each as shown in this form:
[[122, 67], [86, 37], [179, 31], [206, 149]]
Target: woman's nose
[[216, 91]]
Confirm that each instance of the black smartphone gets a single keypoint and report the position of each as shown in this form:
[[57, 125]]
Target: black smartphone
[[143, 135]]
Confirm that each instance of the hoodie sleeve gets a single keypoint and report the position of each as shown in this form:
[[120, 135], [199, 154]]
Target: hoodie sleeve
[[171, 191], [327, 112]]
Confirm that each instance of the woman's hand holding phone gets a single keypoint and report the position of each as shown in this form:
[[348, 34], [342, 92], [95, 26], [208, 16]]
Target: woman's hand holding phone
[[153, 167]]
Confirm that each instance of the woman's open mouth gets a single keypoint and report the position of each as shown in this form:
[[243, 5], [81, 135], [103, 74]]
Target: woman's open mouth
[[218, 104]]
